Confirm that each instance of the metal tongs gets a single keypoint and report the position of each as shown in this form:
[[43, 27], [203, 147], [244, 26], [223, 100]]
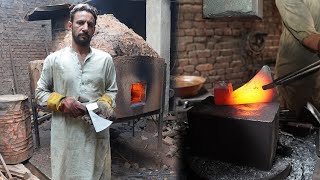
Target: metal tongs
[[293, 75]]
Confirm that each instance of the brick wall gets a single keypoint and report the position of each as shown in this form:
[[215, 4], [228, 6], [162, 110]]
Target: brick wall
[[218, 48], [20, 42]]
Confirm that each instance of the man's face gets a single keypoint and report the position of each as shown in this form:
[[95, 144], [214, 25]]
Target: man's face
[[83, 27]]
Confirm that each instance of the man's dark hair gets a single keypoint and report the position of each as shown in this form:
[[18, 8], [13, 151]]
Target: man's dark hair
[[84, 7]]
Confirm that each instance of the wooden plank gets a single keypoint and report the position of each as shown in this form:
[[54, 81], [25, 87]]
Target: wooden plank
[[5, 166], [16, 171], [2, 176], [13, 68], [35, 69]]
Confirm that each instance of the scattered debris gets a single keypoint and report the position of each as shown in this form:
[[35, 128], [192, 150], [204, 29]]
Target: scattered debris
[[170, 133], [135, 166], [18, 172], [169, 141], [127, 165], [144, 138], [172, 151]]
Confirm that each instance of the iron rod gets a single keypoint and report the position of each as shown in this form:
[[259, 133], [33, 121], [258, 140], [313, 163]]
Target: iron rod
[[288, 77]]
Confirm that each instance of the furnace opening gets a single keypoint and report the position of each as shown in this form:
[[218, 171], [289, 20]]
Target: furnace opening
[[138, 92]]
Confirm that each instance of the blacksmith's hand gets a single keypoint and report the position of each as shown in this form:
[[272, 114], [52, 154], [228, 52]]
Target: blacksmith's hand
[[71, 106], [105, 108], [87, 119], [68, 105]]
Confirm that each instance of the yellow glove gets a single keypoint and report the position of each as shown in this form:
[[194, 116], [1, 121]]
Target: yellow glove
[[54, 101], [106, 99], [105, 107]]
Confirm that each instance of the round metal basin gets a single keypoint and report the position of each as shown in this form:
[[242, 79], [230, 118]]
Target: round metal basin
[[188, 86]]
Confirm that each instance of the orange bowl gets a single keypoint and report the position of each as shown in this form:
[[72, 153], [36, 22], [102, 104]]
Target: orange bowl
[[188, 86]]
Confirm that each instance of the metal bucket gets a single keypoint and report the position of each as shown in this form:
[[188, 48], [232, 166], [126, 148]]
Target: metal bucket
[[16, 143]]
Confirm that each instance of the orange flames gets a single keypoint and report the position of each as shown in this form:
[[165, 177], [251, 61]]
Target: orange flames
[[250, 92], [137, 92]]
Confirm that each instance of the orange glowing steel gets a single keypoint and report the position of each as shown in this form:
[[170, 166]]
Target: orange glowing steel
[[250, 92]]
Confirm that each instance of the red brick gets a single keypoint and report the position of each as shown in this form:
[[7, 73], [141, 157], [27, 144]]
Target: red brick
[[236, 32], [204, 73], [237, 69], [189, 68], [191, 47], [213, 72], [182, 55], [187, 8], [185, 25], [200, 46], [181, 47], [204, 67], [200, 39], [235, 24], [221, 71], [218, 31], [196, 73], [179, 70], [188, 16], [209, 32], [219, 24], [185, 39], [211, 60], [236, 57], [225, 65], [198, 17], [226, 52], [183, 62], [200, 32], [190, 32], [210, 45], [227, 31], [229, 70], [223, 59], [202, 60], [223, 38], [235, 64], [193, 61], [180, 33], [215, 53], [192, 54], [203, 53]]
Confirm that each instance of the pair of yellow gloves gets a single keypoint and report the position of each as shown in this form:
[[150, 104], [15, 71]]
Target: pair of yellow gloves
[[72, 107]]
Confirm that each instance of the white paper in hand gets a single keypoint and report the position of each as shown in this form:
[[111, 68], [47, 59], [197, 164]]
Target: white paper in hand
[[98, 122]]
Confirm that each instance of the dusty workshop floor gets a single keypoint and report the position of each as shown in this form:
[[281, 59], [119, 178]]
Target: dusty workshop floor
[[137, 157], [132, 157]]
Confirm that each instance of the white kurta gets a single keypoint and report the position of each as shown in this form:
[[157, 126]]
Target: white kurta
[[77, 151]]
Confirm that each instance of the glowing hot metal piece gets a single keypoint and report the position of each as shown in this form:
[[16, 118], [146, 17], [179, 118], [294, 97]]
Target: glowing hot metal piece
[[250, 92]]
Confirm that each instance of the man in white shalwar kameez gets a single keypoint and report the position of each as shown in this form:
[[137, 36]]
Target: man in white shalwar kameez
[[299, 47], [68, 75]]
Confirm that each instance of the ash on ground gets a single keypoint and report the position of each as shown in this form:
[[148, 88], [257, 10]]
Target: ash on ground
[[137, 157], [297, 153]]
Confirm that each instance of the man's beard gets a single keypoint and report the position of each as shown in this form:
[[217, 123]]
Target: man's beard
[[81, 42]]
